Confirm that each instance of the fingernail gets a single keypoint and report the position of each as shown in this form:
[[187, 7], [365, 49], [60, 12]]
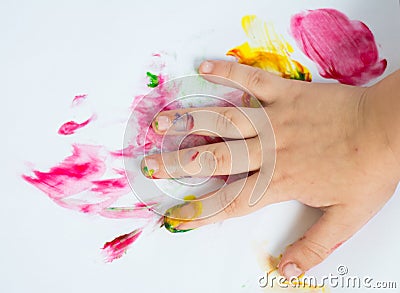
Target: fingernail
[[291, 270], [162, 123], [177, 215], [206, 67], [150, 167]]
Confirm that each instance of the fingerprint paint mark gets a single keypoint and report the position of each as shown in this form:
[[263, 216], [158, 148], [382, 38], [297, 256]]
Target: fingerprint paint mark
[[268, 50], [343, 49]]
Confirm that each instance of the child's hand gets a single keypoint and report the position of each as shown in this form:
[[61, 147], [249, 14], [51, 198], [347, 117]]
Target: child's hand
[[332, 152]]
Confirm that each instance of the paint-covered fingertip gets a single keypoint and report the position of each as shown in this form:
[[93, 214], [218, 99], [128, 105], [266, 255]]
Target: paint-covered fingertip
[[149, 167], [171, 227]]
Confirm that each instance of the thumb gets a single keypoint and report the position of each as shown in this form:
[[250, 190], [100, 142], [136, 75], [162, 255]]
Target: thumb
[[334, 227], [263, 85]]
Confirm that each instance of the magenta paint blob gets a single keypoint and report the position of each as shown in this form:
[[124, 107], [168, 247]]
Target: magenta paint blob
[[70, 127], [343, 49]]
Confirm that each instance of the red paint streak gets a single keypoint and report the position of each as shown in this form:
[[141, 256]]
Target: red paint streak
[[194, 156], [342, 49], [336, 246], [78, 99], [117, 247], [70, 127]]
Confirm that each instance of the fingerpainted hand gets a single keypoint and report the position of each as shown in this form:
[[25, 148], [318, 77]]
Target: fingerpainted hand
[[330, 151]]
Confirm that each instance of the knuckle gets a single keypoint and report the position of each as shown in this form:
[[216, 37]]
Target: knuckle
[[224, 121], [220, 158], [228, 69], [255, 79], [214, 160], [314, 250]]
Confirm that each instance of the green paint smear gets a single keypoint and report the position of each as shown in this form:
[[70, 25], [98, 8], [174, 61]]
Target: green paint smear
[[171, 229], [301, 76], [153, 80]]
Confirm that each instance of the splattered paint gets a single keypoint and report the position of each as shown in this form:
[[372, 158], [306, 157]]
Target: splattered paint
[[342, 49], [268, 50], [116, 248], [70, 127]]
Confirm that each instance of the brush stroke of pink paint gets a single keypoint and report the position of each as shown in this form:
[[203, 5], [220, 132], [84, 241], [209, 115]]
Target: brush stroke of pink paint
[[82, 172], [78, 99], [342, 49], [117, 247], [70, 127]]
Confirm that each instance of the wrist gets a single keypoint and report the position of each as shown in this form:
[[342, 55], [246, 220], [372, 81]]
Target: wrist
[[381, 107]]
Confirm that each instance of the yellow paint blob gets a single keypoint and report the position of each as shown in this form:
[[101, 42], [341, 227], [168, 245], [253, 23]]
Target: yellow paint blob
[[268, 50]]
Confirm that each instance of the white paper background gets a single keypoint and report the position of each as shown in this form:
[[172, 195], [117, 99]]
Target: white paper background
[[52, 50]]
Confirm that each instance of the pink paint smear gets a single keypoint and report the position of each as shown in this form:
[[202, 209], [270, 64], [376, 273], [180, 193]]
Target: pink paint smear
[[70, 127], [342, 49], [78, 99], [82, 174]]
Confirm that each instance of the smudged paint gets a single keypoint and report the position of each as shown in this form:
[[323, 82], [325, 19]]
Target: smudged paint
[[250, 101], [73, 175], [117, 247], [144, 109], [268, 50], [153, 80], [183, 123], [81, 174], [174, 216], [342, 49], [78, 99], [138, 211], [70, 127]]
